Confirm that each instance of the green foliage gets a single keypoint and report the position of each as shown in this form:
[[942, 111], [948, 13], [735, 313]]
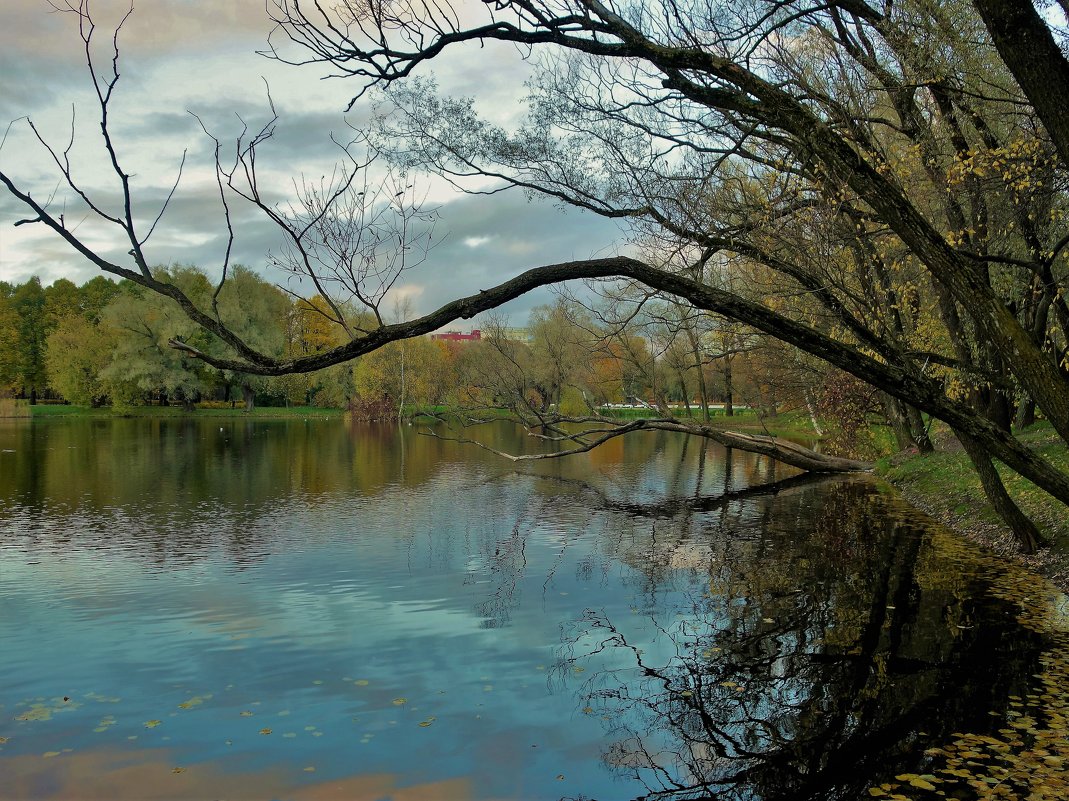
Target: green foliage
[[95, 295], [9, 343], [406, 373], [945, 484], [573, 403], [32, 324], [78, 354], [256, 311], [142, 360], [62, 300]]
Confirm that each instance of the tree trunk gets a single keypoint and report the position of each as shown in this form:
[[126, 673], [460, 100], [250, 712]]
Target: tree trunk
[[248, 396], [894, 411], [1026, 413], [686, 392], [813, 415], [729, 390], [919, 429], [1025, 44], [1028, 536]]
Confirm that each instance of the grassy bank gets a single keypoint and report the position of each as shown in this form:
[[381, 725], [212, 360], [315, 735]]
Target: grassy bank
[[260, 413], [945, 485]]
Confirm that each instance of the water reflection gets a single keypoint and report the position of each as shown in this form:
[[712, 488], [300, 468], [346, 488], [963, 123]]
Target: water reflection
[[662, 619], [803, 670]]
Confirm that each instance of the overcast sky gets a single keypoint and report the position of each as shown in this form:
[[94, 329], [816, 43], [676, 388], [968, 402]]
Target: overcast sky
[[182, 56]]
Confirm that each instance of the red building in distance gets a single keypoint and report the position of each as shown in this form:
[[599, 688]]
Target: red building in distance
[[456, 336]]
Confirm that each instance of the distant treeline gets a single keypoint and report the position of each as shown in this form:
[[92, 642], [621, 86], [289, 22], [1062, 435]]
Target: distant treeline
[[106, 342]]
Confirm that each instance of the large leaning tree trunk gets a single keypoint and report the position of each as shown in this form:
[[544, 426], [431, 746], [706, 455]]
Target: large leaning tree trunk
[[1026, 532], [596, 430], [1025, 43]]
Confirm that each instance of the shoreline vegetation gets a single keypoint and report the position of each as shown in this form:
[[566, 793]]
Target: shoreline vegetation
[[942, 484], [51, 411]]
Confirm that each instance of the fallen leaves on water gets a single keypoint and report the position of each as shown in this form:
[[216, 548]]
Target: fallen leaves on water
[[265, 731], [1025, 755], [399, 701], [43, 710], [151, 724], [196, 700]]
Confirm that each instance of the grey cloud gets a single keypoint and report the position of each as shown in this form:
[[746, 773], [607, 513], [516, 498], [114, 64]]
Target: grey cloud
[[40, 56], [521, 235]]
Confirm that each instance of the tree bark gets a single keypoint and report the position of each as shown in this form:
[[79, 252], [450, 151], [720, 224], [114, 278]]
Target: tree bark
[[1027, 534], [248, 396], [920, 431], [894, 411], [729, 389], [1025, 44]]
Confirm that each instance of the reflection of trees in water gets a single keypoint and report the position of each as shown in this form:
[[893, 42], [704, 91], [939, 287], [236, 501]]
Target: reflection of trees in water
[[807, 669], [829, 636]]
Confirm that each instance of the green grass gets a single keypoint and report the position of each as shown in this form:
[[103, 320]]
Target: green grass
[[260, 412], [945, 483]]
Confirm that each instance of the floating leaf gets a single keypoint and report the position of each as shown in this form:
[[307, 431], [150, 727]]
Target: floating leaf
[[36, 712], [178, 770], [265, 731], [50, 754], [361, 682], [151, 724], [399, 701]]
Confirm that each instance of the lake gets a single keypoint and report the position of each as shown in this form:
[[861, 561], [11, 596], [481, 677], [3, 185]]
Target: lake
[[311, 609]]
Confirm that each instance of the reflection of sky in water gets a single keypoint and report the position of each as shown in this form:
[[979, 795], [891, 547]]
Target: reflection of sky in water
[[451, 594], [347, 596]]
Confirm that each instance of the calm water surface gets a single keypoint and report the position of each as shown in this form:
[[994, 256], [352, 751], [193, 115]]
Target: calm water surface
[[315, 610]]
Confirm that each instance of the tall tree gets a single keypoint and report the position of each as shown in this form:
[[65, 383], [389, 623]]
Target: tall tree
[[30, 304]]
